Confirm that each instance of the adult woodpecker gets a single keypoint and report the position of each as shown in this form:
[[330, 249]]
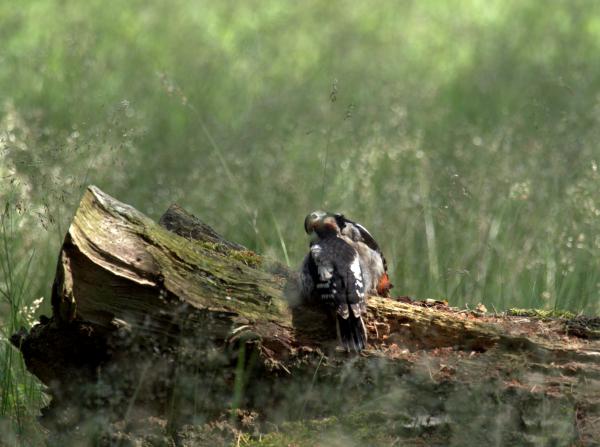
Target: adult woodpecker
[[372, 261], [331, 274]]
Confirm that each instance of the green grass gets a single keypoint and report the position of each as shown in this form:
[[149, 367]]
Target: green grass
[[21, 394], [463, 135]]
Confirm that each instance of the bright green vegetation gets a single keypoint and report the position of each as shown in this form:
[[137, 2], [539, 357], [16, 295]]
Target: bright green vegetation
[[20, 393], [464, 135]]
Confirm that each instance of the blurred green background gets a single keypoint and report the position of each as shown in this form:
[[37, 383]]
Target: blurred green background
[[463, 134]]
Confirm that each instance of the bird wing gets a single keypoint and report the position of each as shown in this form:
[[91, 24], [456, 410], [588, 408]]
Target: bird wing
[[357, 232], [355, 289], [338, 283], [370, 252], [307, 274], [351, 325]]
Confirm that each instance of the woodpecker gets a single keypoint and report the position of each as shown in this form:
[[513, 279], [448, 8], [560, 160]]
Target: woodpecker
[[332, 275], [372, 261]]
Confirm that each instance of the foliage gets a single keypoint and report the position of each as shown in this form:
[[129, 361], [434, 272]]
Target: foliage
[[462, 134]]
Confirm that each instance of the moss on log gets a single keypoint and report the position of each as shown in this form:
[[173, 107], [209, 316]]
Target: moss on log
[[171, 320]]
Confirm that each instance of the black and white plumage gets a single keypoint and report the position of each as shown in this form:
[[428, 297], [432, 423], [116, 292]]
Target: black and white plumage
[[373, 263], [331, 275]]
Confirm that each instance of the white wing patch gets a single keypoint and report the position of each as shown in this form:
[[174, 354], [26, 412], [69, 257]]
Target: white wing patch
[[356, 271]]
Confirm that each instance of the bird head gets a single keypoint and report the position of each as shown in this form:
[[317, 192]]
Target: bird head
[[321, 223]]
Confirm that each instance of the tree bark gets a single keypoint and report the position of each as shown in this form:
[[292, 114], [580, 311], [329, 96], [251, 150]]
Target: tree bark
[[172, 319]]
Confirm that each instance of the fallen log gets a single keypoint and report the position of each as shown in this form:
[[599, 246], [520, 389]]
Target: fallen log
[[172, 321]]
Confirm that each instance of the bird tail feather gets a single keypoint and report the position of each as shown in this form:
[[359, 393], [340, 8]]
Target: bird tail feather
[[352, 332]]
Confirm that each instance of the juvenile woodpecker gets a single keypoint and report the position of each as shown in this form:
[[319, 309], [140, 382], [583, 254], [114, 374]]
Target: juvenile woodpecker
[[331, 274]]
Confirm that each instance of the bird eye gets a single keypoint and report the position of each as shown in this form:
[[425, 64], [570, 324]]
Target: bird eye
[[314, 216]]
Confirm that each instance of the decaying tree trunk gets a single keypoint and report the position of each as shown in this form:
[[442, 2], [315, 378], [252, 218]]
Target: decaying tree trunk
[[171, 320]]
